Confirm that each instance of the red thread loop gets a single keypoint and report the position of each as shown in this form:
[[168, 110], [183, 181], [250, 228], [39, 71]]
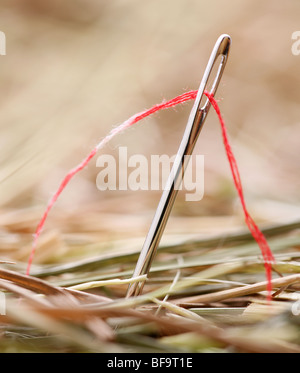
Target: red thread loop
[[129, 122], [256, 233]]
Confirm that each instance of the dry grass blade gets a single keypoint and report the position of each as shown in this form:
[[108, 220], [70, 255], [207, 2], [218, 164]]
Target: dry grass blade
[[86, 315], [69, 333], [183, 244], [98, 284], [23, 293], [43, 287], [242, 290], [31, 283]]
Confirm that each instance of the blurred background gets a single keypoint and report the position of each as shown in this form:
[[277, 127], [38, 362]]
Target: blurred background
[[77, 68]]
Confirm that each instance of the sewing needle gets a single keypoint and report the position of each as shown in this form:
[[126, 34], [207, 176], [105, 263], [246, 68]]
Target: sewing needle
[[194, 125]]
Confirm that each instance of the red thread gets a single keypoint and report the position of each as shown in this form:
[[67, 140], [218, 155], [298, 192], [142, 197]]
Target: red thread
[[62, 186], [129, 122], [256, 233]]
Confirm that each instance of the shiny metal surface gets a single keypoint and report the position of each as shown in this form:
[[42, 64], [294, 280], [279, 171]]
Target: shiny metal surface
[[195, 122]]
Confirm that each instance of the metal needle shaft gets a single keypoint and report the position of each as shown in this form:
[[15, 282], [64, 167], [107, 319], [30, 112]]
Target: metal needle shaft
[[195, 122]]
